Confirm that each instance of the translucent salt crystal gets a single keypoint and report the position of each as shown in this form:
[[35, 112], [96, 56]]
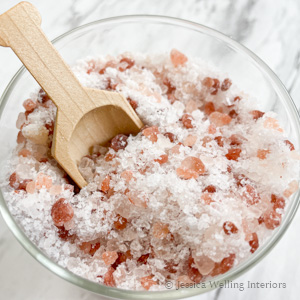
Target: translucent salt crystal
[[187, 121], [190, 140], [137, 199], [204, 264], [219, 119], [191, 167], [21, 120], [61, 212], [43, 181], [100, 149], [24, 152], [190, 106], [151, 133], [30, 187], [160, 230], [105, 184], [109, 257], [292, 188], [271, 123], [69, 224], [55, 189], [175, 149], [177, 58], [147, 282], [86, 162], [127, 175], [36, 133]]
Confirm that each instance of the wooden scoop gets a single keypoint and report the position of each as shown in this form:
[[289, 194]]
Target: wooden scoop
[[85, 116]]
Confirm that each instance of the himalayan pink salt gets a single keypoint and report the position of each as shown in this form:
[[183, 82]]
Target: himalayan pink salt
[[36, 133], [109, 278], [272, 219], [43, 181], [119, 142], [177, 58], [61, 212], [209, 108], [109, 157], [160, 230], [151, 133], [85, 247], [175, 149], [30, 187], [187, 121], [125, 63], [183, 280], [254, 244], [219, 119], [55, 189], [210, 189], [224, 266], [122, 257], [162, 159], [250, 194], [256, 114], [190, 140], [94, 248], [105, 184], [143, 259], [226, 84], [23, 184], [279, 202], [204, 264], [229, 228], [120, 223], [137, 199], [193, 272], [212, 129], [21, 120], [271, 123], [236, 140], [147, 282], [219, 140], [233, 114], [191, 167], [207, 198], [109, 257], [127, 175], [24, 152], [292, 188], [212, 84], [170, 136], [13, 180], [191, 106], [20, 138], [290, 145], [233, 154], [29, 105]]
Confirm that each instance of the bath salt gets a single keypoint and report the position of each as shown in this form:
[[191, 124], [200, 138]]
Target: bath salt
[[196, 192]]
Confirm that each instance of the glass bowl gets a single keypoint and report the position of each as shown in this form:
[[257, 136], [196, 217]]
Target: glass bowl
[[152, 34]]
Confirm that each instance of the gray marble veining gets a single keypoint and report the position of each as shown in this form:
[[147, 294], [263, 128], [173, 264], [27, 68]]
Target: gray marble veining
[[269, 28]]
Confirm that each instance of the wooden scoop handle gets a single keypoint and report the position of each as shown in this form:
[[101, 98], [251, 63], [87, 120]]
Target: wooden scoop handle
[[20, 30]]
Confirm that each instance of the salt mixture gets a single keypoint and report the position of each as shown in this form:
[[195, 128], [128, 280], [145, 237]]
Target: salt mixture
[[196, 192]]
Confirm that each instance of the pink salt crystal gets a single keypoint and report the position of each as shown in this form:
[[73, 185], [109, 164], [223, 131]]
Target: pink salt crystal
[[233, 154], [69, 187], [30, 187], [272, 219], [13, 180], [109, 278], [162, 159], [127, 175], [170, 136], [183, 280], [85, 247], [151, 133], [209, 108], [271, 123], [136, 199], [290, 145], [190, 140], [207, 198], [119, 142], [191, 106], [109, 257], [61, 212], [160, 230], [226, 84], [175, 149], [120, 223], [251, 195], [219, 119], [187, 121], [55, 189], [24, 152], [292, 188], [21, 120], [177, 58], [43, 181], [254, 243], [29, 105], [204, 264], [229, 228], [20, 138], [105, 184], [193, 272], [125, 63], [212, 129], [225, 265], [147, 282], [262, 153], [191, 167]]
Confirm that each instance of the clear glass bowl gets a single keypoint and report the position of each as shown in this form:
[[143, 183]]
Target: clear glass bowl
[[152, 34]]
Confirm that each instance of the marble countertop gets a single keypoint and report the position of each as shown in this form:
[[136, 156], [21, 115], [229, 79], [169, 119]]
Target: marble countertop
[[269, 28]]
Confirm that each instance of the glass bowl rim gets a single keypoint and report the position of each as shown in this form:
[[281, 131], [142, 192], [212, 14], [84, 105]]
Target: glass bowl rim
[[171, 294]]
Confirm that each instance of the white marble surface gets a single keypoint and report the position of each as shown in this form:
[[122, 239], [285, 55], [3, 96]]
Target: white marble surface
[[269, 28]]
